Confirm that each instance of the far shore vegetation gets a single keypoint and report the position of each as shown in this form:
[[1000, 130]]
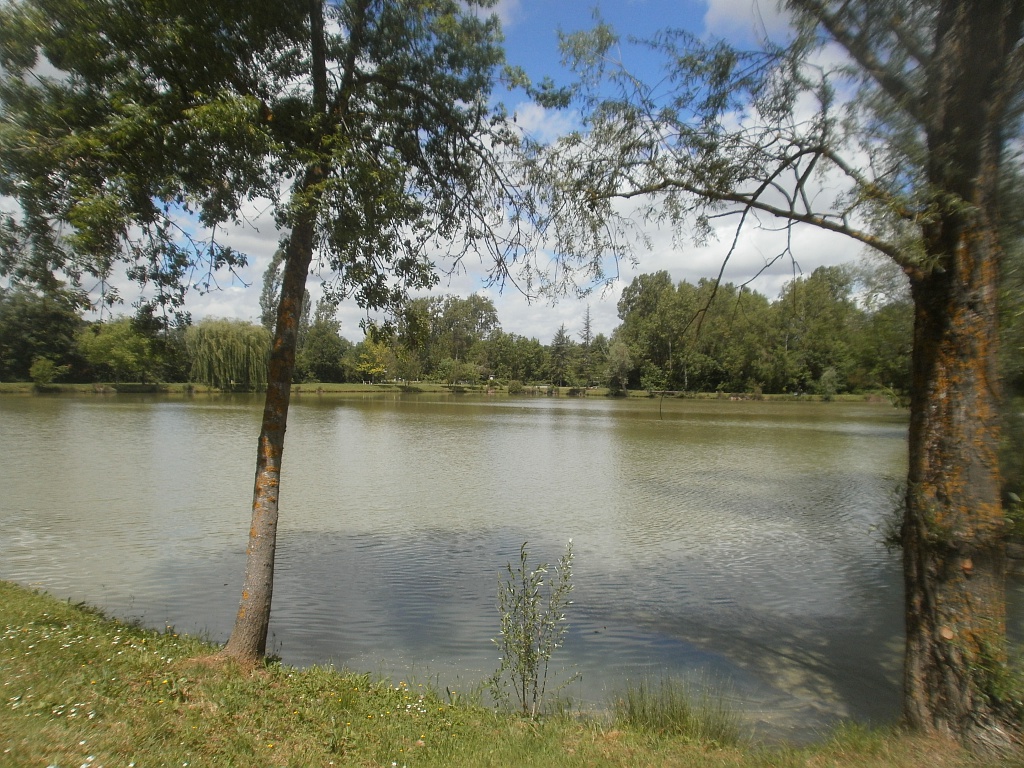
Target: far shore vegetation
[[840, 330], [83, 689], [428, 387]]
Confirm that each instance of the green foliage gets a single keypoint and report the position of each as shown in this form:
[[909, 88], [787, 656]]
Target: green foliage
[[817, 322], [891, 527], [270, 297], [1011, 457], [709, 337], [653, 379], [172, 111], [532, 612], [511, 356], [828, 384], [117, 351], [128, 135], [1011, 450], [455, 372], [438, 335], [1011, 306], [591, 354], [37, 324], [228, 354], [375, 359], [882, 348], [270, 294], [323, 351], [671, 708], [44, 372], [619, 365], [561, 357]]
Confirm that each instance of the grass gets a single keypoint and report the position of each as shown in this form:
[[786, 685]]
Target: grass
[[79, 689], [672, 708]]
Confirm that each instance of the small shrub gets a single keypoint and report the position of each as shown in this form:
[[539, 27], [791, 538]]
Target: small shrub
[[828, 384], [533, 626], [44, 371], [515, 387]]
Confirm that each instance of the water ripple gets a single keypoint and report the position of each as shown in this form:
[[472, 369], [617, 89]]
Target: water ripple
[[735, 542]]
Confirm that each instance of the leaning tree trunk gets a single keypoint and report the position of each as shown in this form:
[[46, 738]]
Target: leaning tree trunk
[[248, 641]]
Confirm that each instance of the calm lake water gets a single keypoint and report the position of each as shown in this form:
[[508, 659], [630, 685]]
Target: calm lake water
[[729, 543]]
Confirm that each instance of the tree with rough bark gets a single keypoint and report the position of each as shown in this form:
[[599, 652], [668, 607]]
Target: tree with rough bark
[[890, 122], [131, 131]]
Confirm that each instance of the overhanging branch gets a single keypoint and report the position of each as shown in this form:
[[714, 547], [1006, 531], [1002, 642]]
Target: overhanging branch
[[752, 201]]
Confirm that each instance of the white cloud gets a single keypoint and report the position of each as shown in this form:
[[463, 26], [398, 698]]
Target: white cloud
[[744, 21], [545, 124], [508, 11], [756, 247]]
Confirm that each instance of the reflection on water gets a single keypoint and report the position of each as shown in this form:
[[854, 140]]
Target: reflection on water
[[731, 542]]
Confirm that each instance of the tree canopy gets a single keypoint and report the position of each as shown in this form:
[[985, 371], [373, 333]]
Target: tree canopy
[[117, 351], [36, 324], [144, 127]]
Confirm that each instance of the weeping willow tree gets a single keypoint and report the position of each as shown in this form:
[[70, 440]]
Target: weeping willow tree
[[228, 354]]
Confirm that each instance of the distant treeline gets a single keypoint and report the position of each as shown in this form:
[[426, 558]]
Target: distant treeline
[[840, 329]]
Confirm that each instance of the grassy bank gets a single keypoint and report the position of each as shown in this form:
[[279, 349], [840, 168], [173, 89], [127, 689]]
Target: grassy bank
[[82, 690]]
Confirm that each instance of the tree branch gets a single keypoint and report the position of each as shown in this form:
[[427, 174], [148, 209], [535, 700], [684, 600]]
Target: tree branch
[[752, 201]]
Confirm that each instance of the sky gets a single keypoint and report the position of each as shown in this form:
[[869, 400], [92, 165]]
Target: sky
[[531, 31]]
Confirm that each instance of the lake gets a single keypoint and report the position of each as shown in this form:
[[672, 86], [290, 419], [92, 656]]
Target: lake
[[731, 544]]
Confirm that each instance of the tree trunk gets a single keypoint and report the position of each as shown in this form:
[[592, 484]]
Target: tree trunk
[[953, 530], [248, 641]]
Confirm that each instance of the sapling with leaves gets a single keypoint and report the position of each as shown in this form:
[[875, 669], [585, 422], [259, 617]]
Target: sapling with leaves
[[532, 606]]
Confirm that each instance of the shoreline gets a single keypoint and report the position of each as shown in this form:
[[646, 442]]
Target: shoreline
[[81, 688], [186, 389]]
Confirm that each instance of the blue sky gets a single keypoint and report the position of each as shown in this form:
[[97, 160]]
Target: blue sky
[[531, 31], [532, 26]]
